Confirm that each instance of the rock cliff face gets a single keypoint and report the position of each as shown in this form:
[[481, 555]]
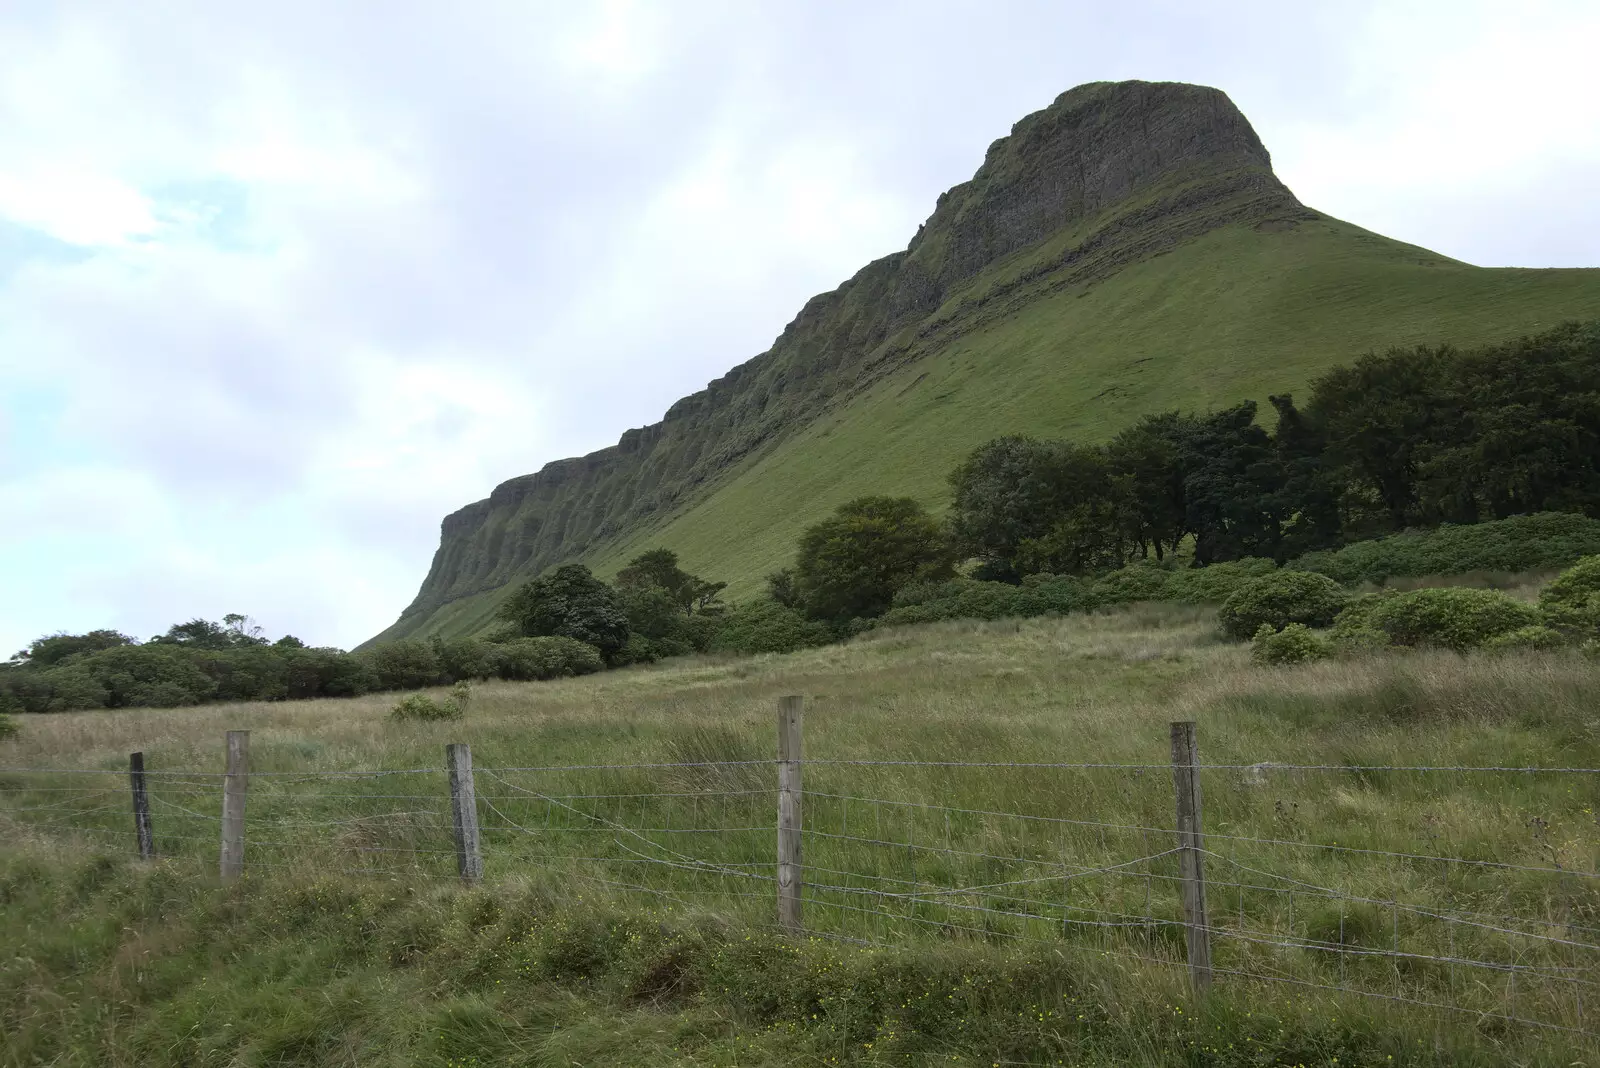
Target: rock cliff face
[[1108, 174]]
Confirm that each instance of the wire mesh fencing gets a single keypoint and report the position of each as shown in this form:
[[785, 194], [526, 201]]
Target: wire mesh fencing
[[1465, 890]]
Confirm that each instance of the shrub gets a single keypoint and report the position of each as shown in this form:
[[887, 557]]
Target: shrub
[[8, 726], [1143, 581], [1353, 630], [326, 673], [1571, 602], [1039, 595], [419, 706], [1294, 644], [1520, 543], [852, 563], [768, 627], [1534, 637], [1451, 617], [549, 657], [569, 603], [1215, 583], [407, 664], [1281, 598], [463, 658], [73, 686]]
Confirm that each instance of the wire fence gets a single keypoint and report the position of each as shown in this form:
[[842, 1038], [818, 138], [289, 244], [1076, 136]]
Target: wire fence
[[1429, 886]]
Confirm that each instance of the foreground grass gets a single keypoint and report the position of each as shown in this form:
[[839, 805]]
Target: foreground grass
[[120, 964], [550, 963]]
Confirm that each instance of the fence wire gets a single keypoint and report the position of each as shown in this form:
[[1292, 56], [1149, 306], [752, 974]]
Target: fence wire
[[1417, 884]]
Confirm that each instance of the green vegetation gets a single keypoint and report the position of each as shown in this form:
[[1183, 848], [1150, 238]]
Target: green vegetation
[[851, 564], [1235, 313], [569, 603], [768, 627], [1296, 643], [420, 706], [1458, 619], [109, 960], [1230, 490], [1279, 599], [1546, 541], [550, 657], [1572, 602]]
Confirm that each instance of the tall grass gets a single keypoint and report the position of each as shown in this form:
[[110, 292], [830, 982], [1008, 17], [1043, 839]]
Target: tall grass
[[694, 838]]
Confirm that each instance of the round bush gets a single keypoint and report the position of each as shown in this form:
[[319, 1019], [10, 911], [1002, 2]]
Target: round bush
[[1536, 637], [1281, 598], [1136, 582], [1294, 644], [768, 627], [548, 657], [1215, 583], [419, 706], [1450, 617], [1571, 601], [406, 664]]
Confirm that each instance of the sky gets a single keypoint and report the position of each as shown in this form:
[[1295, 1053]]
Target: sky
[[281, 285]]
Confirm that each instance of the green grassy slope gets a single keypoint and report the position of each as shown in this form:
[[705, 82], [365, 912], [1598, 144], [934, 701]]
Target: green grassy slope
[[1239, 312]]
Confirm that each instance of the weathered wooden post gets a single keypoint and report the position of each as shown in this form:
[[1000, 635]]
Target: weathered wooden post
[[789, 757], [235, 783], [141, 806], [1196, 919], [464, 812]]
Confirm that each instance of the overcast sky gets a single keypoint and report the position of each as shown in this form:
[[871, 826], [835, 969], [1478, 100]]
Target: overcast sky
[[283, 284]]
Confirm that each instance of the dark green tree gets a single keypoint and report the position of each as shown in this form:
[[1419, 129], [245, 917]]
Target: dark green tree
[[1148, 456], [569, 602], [659, 568], [1376, 418], [783, 589], [1230, 483], [850, 564], [54, 648]]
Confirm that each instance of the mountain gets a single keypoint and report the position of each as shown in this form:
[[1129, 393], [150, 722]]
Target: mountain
[[1127, 249]]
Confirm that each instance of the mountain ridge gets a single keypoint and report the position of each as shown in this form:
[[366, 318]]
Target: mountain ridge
[[1109, 176]]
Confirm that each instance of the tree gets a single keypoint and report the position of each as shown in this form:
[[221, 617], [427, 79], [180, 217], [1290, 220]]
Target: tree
[[198, 634], [659, 568], [569, 602], [1148, 456], [783, 589], [1003, 494], [851, 563], [1025, 506], [1376, 417], [54, 648], [1230, 484]]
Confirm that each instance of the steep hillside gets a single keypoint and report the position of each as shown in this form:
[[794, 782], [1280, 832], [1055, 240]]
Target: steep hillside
[[1124, 250]]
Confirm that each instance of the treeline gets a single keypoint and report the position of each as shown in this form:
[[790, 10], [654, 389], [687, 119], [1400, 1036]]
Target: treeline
[[1412, 438], [1414, 462], [1184, 506], [562, 624]]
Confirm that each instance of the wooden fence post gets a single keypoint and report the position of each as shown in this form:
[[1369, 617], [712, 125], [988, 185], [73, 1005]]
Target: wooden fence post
[[141, 806], [1196, 920], [789, 757], [234, 785], [464, 812]]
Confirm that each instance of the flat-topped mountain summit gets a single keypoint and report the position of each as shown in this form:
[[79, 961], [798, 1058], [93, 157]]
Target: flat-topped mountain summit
[[1126, 249]]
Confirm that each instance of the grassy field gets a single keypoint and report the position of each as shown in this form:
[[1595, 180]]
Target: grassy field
[[1235, 314], [957, 914]]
